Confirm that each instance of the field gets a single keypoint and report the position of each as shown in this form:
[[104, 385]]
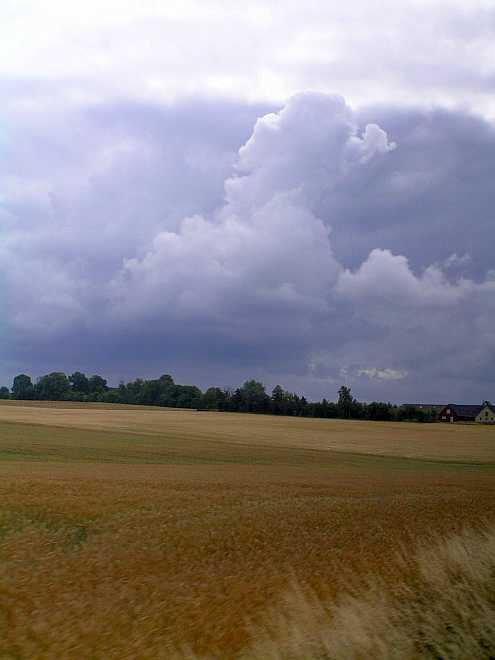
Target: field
[[139, 533]]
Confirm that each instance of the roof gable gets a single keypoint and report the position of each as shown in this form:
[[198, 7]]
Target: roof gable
[[465, 410], [489, 407]]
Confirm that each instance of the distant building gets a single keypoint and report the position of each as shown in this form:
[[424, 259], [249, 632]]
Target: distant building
[[426, 407], [487, 414], [454, 412]]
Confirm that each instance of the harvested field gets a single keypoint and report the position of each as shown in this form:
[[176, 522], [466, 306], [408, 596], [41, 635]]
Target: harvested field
[[128, 533], [168, 427]]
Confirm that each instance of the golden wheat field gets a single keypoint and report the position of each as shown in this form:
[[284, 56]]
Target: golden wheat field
[[130, 532]]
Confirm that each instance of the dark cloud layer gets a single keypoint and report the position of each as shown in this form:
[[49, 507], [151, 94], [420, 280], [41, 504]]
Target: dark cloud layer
[[429, 200], [311, 245]]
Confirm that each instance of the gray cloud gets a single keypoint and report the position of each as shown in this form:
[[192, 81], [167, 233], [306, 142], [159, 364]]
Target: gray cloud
[[322, 244]]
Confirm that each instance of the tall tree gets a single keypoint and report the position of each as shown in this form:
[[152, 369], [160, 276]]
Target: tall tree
[[79, 382], [168, 390], [4, 393], [303, 407], [278, 398], [345, 403], [97, 385], [188, 396], [235, 402], [213, 399], [52, 387], [22, 387], [254, 397]]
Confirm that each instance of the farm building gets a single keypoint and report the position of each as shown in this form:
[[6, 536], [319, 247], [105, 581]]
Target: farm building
[[426, 407], [454, 412], [487, 414]]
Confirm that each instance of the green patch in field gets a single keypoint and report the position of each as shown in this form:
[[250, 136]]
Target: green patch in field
[[69, 531]]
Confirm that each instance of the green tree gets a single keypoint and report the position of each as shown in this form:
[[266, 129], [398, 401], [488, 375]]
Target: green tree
[[235, 400], [79, 382], [134, 390], [168, 391], [345, 403], [53, 387], [22, 387], [111, 395], [188, 396], [122, 390], [97, 385], [213, 399], [4, 393], [150, 393], [379, 411], [303, 407], [278, 400], [254, 397]]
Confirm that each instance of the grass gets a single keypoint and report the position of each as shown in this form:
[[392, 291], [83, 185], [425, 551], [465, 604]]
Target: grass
[[443, 607], [129, 533]]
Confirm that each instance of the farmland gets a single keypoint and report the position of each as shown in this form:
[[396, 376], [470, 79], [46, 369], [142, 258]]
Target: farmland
[[128, 532]]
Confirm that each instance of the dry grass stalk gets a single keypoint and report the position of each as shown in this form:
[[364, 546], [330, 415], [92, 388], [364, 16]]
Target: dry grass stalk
[[444, 608]]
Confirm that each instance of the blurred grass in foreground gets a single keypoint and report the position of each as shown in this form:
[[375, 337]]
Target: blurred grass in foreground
[[444, 607]]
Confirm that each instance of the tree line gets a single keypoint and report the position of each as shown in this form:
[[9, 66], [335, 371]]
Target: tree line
[[251, 397]]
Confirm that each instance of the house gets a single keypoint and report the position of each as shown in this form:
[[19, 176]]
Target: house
[[487, 414], [426, 407], [454, 412]]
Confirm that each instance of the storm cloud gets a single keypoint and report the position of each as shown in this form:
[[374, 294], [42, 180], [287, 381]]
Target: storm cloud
[[311, 244], [174, 199]]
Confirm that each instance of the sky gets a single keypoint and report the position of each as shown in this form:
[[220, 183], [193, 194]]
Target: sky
[[299, 192]]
